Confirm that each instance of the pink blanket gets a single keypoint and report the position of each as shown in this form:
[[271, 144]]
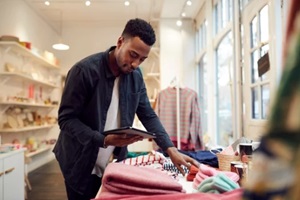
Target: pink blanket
[[120, 178], [232, 195]]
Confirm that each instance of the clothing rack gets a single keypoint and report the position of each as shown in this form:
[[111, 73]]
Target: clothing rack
[[174, 83]]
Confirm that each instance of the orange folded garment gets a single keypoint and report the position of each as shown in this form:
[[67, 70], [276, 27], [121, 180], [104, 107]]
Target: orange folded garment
[[192, 173]]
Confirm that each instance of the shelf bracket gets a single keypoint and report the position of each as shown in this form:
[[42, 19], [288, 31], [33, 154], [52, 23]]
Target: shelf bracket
[[4, 81], [2, 110], [155, 78], [7, 50]]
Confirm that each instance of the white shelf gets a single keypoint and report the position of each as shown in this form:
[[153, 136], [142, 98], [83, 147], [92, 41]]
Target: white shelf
[[153, 74], [26, 77], [38, 151], [31, 128], [27, 104], [41, 72], [20, 50]]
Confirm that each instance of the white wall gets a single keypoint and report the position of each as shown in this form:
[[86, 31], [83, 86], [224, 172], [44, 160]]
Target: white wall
[[18, 19], [85, 39], [177, 53]]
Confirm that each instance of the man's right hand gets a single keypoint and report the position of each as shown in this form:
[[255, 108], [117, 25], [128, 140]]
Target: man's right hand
[[120, 140]]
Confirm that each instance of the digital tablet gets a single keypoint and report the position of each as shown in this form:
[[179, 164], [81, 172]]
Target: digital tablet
[[131, 130]]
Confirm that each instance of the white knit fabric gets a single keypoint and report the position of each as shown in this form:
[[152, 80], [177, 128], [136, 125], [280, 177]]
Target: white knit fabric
[[112, 122]]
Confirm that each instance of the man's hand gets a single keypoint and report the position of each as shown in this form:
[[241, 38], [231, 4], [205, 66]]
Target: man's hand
[[120, 140], [180, 159]]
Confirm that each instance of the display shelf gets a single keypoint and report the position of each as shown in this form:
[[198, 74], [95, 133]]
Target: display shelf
[[31, 128], [27, 78], [29, 82], [22, 51], [38, 151], [27, 104], [153, 74]]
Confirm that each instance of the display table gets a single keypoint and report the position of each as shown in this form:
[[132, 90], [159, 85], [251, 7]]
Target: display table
[[187, 185]]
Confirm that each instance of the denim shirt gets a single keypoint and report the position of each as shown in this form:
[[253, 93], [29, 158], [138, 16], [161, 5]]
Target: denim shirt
[[82, 115]]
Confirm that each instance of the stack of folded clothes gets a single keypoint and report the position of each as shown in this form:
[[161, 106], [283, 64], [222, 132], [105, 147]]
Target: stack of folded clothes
[[122, 179], [209, 179], [217, 184]]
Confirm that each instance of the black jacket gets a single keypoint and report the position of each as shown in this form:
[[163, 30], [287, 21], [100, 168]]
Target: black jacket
[[83, 110]]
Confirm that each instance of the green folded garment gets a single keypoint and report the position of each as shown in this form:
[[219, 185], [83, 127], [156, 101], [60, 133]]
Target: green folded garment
[[219, 182]]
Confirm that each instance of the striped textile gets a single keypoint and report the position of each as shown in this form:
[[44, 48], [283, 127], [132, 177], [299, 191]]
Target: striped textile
[[190, 123]]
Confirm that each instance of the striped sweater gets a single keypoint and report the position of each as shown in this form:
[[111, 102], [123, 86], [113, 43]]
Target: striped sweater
[[190, 124]]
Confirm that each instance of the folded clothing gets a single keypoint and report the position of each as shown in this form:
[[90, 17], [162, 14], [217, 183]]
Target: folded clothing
[[232, 195], [192, 173], [128, 179], [151, 158], [210, 171], [207, 157], [217, 184], [207, 172]]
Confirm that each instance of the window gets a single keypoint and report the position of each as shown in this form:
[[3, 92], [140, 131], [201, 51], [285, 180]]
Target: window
[[222, 14], [202, 36], [224, 68], [260, 86], [204, 85]]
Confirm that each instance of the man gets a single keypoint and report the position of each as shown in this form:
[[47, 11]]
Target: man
[[104, 91]]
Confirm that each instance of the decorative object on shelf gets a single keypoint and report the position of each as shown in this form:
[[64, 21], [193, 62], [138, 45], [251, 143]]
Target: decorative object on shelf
[[25, 44], [9, 67], [9, 38]]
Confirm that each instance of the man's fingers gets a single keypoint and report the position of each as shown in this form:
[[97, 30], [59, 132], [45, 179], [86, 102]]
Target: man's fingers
[[180, 169]]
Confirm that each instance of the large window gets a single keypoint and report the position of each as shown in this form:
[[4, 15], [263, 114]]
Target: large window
[[204, 85], [259, 46], [202, 39], [222, 14], [203, 75], [224, 61], [236, 98]]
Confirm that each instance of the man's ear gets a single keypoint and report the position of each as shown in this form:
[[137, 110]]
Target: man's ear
[[120, 41]]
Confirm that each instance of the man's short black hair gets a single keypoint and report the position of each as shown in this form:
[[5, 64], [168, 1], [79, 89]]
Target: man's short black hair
[[140, 28]]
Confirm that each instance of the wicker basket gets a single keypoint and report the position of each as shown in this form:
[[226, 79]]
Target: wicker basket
[[225, 160]]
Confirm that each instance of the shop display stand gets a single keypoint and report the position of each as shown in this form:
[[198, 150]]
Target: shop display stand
[[29, 81]]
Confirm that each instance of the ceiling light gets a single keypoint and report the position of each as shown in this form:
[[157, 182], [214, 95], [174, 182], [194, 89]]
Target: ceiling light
[[61, 46], [179, 23], [183, 14], [126, 3], [87, 3], [47, 3], [189, 3]]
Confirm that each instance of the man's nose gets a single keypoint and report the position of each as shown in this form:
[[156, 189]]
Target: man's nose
[[135, 64]]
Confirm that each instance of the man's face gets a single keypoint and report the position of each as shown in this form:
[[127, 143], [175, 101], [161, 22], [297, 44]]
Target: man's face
[[131, 52]]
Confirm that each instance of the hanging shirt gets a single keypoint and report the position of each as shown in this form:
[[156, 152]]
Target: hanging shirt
[[189, 115]]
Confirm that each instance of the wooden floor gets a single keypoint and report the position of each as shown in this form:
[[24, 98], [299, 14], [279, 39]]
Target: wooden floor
[[47, 183]]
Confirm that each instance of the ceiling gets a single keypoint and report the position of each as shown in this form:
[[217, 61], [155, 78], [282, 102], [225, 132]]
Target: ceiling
[[66, 11]]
